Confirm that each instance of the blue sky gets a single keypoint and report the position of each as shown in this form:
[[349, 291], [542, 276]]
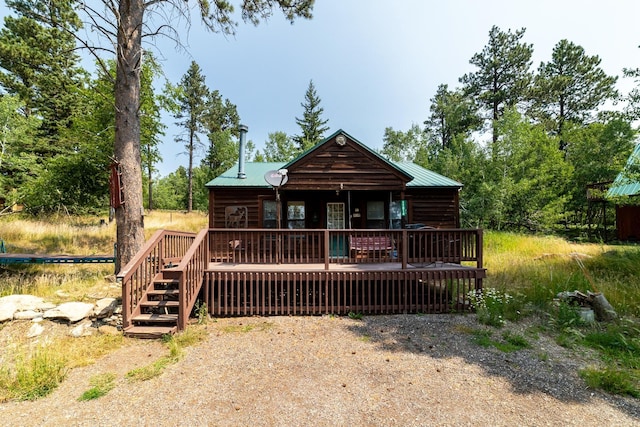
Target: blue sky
[[375, 63]]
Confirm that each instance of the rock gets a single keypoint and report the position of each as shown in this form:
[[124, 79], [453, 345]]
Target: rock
[[26, 315], [10, 304], [71, 311], [7, 310], [104, 308], [83, 329], [35, 330]]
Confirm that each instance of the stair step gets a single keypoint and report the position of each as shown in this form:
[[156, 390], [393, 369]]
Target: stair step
[[162, 303], [149, 332], [166, 282], [156, 318], [163, 292]]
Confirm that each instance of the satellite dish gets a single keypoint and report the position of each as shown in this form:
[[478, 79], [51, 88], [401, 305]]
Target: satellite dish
[[276, 178]]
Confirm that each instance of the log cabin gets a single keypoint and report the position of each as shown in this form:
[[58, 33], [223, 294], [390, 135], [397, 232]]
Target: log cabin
[[337, 230]]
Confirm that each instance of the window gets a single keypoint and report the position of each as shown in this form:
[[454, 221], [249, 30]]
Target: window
[[295, 215], [375, 214], [269, 214]]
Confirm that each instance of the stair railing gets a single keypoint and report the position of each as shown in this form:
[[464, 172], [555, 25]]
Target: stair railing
[[137, 276], [190, 275]]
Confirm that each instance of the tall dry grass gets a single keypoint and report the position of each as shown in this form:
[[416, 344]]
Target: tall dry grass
[[72, 235], [539, 267]]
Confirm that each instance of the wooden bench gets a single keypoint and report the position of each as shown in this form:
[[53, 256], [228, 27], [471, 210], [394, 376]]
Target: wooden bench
[[363, 245]]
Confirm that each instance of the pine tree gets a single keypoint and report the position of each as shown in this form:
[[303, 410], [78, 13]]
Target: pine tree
[[311, 124], [192, 96], [570, 87], [503, 77]]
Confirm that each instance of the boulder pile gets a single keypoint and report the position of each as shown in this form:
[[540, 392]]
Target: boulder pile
[[105, 315]]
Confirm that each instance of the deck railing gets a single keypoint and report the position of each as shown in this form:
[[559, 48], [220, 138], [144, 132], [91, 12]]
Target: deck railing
[[190, 275], [163, 248], [284, 246]]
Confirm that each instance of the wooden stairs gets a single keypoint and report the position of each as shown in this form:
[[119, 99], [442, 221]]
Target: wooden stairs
[[158, 308]]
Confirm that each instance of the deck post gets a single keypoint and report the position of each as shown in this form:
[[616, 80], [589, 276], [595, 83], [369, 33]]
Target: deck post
[[326, 249], [405, 248]]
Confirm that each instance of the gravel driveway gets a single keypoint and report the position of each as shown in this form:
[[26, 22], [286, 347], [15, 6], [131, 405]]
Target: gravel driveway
[[335, 371]]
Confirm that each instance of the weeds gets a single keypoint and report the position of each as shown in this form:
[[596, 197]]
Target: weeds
[[101, 385], [176, 345]]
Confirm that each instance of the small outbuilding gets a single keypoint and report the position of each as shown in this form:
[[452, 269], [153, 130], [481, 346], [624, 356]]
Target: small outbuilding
[[625, 193]]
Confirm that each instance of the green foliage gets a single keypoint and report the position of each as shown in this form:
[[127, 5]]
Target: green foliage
[[612, 380], [279, 147], [503, 75], [508, 344], [171, 191], [312, 126], [570, 87], [100, 385], [355, 316], [403, 146], [453, 115], [494, 307], [32, 376]]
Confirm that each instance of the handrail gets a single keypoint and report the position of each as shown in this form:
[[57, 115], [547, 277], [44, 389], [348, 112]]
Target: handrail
[[139, 273], [190, 274]]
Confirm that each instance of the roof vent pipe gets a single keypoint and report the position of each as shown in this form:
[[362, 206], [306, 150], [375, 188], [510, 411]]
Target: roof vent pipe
[[243, 135]]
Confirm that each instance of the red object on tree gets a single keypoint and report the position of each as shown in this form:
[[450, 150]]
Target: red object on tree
[[115, 186]]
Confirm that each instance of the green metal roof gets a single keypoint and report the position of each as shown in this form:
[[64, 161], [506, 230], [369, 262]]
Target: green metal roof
[[255, 176], [424, 177], [623, 185]]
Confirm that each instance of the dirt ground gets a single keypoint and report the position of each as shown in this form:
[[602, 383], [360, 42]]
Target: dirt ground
[[335, 371]]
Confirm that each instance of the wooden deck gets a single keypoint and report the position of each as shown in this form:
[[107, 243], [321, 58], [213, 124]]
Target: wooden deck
[[356, 267], [300, 272]]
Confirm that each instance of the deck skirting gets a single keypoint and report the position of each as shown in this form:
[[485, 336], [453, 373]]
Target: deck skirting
[[267, 293]]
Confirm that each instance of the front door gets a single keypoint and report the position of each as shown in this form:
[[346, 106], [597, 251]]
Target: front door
[[336, 221]]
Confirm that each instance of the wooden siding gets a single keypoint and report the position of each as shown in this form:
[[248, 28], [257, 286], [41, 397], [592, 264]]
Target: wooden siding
[[347, 167], [628, 222], [437, 207], [220, 199]]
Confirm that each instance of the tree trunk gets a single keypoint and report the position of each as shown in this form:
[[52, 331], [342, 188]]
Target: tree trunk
[[129, 216], [190, 174]]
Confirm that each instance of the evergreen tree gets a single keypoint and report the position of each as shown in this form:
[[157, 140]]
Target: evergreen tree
[[452, 114], [38, 62], [151, 126], [191, 101], [503, 77], [221, 121], [312, 126], [570, 87]]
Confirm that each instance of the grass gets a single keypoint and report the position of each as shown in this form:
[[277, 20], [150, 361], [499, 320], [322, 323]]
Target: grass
[[30, 372], [508, 344], [536, 269], [176, 345], [101, 384]]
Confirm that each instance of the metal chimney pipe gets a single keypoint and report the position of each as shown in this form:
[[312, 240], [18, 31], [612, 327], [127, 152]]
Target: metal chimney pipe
[[243, 135]]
